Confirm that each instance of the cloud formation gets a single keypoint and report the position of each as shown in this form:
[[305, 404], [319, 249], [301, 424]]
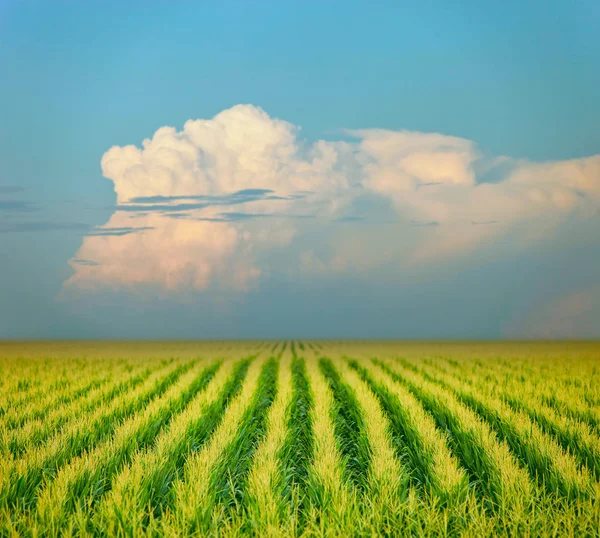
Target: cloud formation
[[190, 203], [41, 226], [169, 254], [16, 206], [10, 189], [575, 314], [241, 148]]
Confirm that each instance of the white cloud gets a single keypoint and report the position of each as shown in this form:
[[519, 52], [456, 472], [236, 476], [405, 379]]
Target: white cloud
[[172, 254], [240, 148], [397, 162], [429, 179]]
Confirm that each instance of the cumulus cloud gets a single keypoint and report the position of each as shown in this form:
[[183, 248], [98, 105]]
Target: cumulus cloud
[[431, 178], [396, 162], [190, 203], [169, 254], [240, 148], [241, 157]]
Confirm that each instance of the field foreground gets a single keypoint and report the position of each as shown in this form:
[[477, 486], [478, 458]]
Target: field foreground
[[299, 439]]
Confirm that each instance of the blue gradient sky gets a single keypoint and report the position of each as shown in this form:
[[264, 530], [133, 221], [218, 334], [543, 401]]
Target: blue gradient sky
[[518, 79]]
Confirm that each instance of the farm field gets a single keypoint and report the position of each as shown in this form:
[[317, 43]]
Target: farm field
[[293, 438]]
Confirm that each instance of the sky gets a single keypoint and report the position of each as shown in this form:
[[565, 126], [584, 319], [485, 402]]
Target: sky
[[301, 169]]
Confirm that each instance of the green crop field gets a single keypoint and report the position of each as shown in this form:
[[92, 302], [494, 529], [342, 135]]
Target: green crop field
[[299, 439]]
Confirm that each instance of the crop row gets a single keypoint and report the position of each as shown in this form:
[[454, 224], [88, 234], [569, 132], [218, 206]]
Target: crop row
[[298, 438]]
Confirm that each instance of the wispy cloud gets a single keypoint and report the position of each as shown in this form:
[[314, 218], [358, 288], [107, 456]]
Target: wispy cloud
[[88, 263], [349, 219], [235, 217], [483, 222], [120, 231], [426, 224], [11, 189], [17, 206], [41, 226], [145, 208], [237, 197], [202, 201]]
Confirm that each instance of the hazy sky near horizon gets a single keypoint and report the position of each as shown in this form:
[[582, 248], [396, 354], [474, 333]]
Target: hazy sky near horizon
[[299, 169]]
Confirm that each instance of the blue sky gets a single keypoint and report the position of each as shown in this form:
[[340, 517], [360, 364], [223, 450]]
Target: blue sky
[[503, 94]]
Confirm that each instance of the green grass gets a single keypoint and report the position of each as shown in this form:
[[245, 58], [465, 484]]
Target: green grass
[[353, 439]]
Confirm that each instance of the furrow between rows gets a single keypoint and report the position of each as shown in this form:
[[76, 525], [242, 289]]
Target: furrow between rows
[[21, 479], [349, 427], [36, 432], [497, 478], [553, 468], [297, 451], [266, 510], [417, 442], [81, 484], [192, 511], [143, 492], [573, 436]]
